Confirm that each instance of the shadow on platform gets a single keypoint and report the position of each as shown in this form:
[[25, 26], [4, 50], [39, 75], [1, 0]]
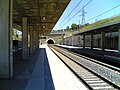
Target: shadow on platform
[[23, 71]]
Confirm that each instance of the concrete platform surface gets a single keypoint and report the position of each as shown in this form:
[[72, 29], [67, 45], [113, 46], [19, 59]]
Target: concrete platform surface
[[44, 71], [63, 78], [41, 76]]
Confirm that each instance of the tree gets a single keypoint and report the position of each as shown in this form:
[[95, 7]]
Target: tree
[[67, 28], [74, 26]]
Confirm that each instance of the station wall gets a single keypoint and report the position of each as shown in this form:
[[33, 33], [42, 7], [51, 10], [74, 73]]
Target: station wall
[[111, 40]]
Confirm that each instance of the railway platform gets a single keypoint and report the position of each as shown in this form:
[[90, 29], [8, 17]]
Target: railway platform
[[44, 71], [105, 56]]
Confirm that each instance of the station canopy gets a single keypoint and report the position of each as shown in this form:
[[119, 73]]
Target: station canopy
[[42, 14]]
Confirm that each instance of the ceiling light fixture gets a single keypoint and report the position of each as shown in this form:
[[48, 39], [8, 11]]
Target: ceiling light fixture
[[44, 26], [44, 18]]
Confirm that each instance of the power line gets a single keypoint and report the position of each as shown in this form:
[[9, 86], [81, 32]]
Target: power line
[[104, 12], [70, 12], [73, 9], [77, 13]]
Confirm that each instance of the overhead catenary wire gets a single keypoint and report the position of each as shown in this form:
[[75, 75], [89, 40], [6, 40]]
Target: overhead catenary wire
[[76, 13], [104, 12], [70, 12], [73, 9]]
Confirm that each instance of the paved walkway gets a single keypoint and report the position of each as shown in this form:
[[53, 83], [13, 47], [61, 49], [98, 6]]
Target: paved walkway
[[51, 74], [43, 72], [63, 78], [22, 72], [41, 77]]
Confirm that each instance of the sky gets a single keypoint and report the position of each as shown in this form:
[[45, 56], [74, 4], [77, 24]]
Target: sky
[[93, 9]]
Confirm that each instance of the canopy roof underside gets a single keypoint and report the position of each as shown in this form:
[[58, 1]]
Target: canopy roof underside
[[42, 14]]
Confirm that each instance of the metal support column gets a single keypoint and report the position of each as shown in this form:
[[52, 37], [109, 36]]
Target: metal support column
[[92, 39], [72, 40], [119, 41], [25, 38], [34, 40], [31, 39], [37, 39], [62, 39], [6, 55], [102, 40], [84, 41]]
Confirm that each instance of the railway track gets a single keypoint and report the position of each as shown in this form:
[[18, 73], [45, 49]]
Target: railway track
[[94, 75], [96, 61]]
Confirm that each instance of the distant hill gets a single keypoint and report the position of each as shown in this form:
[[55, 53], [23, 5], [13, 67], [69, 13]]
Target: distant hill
[[99, 23]]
